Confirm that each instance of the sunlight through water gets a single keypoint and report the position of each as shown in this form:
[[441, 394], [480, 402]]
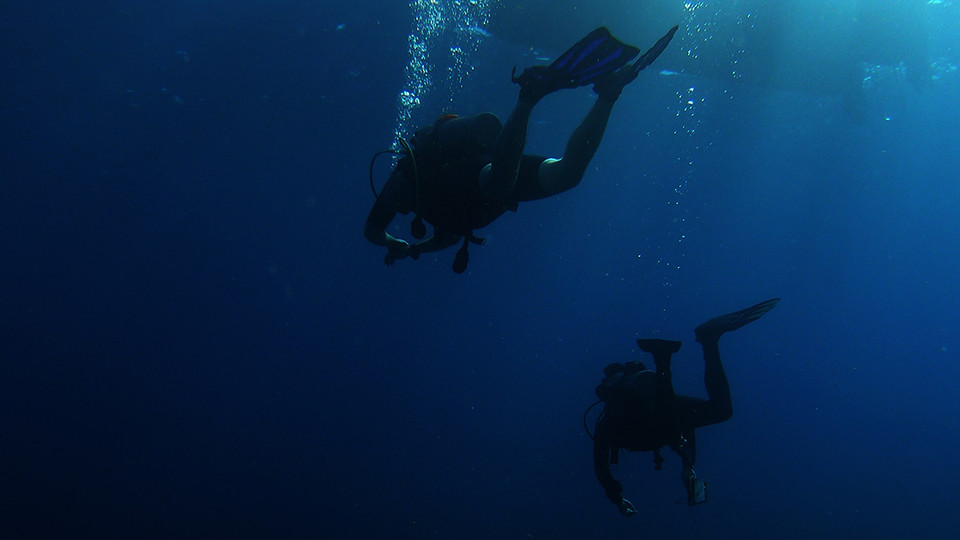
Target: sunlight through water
[[444, 35]]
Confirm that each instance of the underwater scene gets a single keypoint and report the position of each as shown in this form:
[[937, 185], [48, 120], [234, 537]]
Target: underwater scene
[[459, 269]]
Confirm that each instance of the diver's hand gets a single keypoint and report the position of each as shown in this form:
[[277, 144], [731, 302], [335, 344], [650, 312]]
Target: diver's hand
[[626, 508], [397, 249]]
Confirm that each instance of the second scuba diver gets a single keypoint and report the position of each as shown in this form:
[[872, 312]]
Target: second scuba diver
[[641, 412]]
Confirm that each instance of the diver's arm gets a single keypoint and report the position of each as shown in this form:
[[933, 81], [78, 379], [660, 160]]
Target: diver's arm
[[379, 237], [387, 206], [375, 229], [601, 467]]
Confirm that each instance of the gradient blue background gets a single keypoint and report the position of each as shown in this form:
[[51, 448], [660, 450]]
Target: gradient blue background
[[196, 341]]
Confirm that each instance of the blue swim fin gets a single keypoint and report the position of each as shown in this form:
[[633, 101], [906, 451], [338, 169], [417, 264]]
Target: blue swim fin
[[590, 59], [648, 57], [594, 56], [716, 326], [610, 87]]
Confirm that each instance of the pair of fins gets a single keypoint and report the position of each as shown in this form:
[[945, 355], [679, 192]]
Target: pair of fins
[[709, 331], [591, 59]]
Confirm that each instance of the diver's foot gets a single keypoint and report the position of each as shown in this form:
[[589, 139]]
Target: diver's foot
[[661, 349], [610, 87], [715, 327], [538, 81]]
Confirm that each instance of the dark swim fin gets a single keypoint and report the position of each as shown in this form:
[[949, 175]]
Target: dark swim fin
[[658, 346], [611, 86], [594, 56], [661, 349], [716, 326], [648, 57], [590, 59]]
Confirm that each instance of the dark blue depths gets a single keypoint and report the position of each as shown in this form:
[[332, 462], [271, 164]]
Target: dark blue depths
[[197, 342]]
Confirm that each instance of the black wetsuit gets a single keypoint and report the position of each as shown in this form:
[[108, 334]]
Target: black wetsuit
[[673, 424]]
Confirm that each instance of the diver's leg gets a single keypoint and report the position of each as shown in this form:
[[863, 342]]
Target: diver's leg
[[662, 350], [665, 399], [693, 412], [719, 407], [499, 177], [557, 176]]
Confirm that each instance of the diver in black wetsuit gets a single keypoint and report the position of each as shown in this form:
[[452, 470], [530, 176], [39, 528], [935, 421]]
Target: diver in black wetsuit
[[463, 173], [642, 413]]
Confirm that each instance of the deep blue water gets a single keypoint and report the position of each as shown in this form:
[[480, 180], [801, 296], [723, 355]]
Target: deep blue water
[[196, 340]]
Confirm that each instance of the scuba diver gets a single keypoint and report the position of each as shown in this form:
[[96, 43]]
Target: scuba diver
[[461, 174], [642, 413]]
